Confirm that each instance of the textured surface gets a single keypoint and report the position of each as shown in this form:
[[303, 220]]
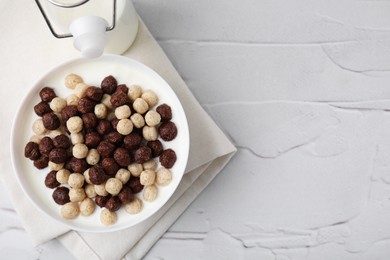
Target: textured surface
[[302, 89]]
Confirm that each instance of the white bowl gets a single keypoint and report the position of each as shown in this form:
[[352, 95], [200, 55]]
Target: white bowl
[[126, 71]]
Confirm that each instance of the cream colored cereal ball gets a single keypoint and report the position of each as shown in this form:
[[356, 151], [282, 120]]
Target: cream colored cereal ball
[[57, 104], [134, 206], [152, 118], [122, 112], [123, 175], [72, 100], [35, 139], [135, 169], [71, 80], [100, 111], [137, 120], [76, 194], [93, 157], [101, 189], [113, 186], [80, 151], [107, 217], [86, 176], [56, 166], [90, 191], [149, 133], [134, 92], [74, 124], [150, 165], [163, 176], [62, 176], [147, 177], [124, 126], [38, 127], [140, 105], [80, 89], [87, 207], [76, 180], [106, 100], [70, 210], [77, 138], [150, 97], [150, 192]]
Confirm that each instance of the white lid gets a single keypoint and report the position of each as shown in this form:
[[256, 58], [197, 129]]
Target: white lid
[[89, 33]]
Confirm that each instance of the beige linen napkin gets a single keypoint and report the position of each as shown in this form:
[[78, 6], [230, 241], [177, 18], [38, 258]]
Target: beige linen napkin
[[209, 152]]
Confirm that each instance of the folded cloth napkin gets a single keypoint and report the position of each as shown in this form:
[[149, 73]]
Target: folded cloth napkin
[[209, 152]]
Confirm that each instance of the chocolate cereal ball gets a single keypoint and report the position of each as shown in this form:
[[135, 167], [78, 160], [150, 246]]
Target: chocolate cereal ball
[[47, 94], [168, 158], [105, 149], [62, 141], [101, 200], [31, 151], [132, 141], [156, 147], [122, 157], [42, 162], [113, 204], [97, 175], [110, 166], [46, 145], [123, 88], [94, 93], [119, 98], [58, 155], [167, 131], [89, 120], [51, 121], [109, 85], [68, 112], [135, 184], [42, 108], [114, 137], [51, 181], [142, 154], [86, 105], [61, 195], [165, 112], [104, 127], [125, 195], [92, 140], [78, 165]]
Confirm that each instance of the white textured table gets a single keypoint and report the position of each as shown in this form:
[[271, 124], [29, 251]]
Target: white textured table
[[302, 88]]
